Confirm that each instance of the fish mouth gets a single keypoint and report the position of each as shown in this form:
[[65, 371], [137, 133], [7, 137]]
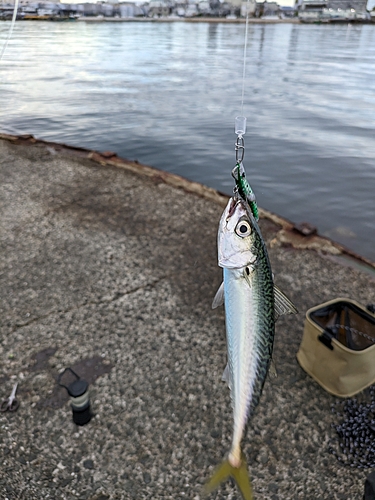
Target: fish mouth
[[232, 207]]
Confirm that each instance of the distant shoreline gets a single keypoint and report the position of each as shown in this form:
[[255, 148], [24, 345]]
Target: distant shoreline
[[216, 20], [95, 19], [212, 20], [189, 20]]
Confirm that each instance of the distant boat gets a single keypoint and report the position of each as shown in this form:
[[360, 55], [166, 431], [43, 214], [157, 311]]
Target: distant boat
[[69, 18], [36, 17]]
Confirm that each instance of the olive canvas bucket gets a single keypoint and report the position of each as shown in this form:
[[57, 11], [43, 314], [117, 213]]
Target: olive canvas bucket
[[338, 346]]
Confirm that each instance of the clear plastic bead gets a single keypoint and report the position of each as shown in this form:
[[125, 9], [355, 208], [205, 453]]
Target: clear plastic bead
[[240, 125]]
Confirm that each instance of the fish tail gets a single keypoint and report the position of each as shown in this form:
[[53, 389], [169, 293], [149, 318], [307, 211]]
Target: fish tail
[[239, 474]]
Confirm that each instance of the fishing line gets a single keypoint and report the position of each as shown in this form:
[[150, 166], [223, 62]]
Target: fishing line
[[242, 187], [10, 29], [244, 55]]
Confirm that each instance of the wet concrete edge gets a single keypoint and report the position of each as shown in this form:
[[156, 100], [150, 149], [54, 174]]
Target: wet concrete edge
[[288, 234]]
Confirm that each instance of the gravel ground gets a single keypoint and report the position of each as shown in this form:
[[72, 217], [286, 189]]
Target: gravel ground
[[113, 274]]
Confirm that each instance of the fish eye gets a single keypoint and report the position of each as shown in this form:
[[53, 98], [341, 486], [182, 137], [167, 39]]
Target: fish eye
[[243, 229]]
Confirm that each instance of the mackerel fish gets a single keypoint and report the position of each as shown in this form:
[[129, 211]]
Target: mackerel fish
[[252, 304]]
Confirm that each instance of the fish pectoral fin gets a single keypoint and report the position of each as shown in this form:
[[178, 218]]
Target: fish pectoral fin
[[226, 376], [219, 297], [282, 304], [247, 272], [239, 474], [272, 372]]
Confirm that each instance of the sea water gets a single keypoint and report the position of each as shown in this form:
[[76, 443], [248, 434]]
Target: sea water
[[167, 94]]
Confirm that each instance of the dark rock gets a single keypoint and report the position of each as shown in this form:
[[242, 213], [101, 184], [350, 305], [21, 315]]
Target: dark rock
[[147, 478]]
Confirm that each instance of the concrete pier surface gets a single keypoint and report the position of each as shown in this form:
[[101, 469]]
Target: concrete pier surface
[[110, 268]]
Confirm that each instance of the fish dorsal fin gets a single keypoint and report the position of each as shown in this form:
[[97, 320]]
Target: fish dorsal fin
[[219, 297], [282, 304]]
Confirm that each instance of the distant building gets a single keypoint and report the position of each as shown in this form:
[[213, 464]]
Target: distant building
[[288, 11], [311, 11], [307, 10], [129, 10], [204, 8], [332, 11], [108, 10], [271, 9], [159, 8], [267, 9], [248, 7], [358, 5]]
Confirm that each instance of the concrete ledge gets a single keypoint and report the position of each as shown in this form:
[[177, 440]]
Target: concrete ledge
[[287, 235]]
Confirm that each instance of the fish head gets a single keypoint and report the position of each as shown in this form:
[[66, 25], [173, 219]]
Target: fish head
[[236, 235]]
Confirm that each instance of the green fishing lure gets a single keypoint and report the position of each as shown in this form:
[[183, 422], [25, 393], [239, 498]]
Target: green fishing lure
[[244, 189]]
